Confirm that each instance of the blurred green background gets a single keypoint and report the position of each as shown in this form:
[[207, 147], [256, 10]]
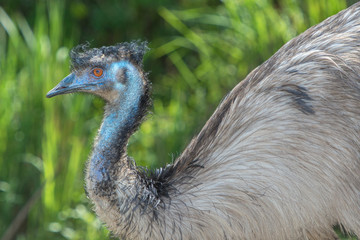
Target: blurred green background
[[200, 49]]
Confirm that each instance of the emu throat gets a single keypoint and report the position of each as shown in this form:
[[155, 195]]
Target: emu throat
[[121, 116]]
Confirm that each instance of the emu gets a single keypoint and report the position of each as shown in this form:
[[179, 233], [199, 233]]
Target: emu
[[278, 159]]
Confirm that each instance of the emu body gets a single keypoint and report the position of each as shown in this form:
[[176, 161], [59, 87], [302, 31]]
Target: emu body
[[279, 158]]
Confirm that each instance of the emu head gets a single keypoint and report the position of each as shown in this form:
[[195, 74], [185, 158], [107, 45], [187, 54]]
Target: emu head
[[108, 72]]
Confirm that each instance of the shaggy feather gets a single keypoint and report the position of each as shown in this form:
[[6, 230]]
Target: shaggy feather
[[82, 56], [279, 158]]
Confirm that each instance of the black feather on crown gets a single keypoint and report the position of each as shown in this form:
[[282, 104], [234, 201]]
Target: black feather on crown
[[83, 56]]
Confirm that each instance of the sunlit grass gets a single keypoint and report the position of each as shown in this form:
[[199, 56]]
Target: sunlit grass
[[39, 149]]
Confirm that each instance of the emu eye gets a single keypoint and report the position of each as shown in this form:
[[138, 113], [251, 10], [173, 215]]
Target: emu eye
[[97, 72]]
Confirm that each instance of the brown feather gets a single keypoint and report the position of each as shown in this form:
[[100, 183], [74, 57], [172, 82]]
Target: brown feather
[[279, 158]]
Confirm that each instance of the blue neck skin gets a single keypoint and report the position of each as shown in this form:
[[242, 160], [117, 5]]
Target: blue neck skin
[[120, 116]]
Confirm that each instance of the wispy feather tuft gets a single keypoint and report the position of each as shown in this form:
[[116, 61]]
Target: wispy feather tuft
[[83, 56]]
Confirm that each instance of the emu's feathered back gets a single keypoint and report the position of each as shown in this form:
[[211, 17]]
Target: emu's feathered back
[[279, 158]]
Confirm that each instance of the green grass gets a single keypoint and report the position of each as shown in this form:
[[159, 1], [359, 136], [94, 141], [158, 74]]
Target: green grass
[[44, 143]]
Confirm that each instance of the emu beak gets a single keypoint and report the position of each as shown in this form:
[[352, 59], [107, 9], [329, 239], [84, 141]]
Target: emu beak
[[65, 86]]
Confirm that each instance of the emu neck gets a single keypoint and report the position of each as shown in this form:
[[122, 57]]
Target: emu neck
[[114, 132], [121, 116]]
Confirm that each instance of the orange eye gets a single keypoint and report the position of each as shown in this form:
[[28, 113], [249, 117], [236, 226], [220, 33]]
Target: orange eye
[[98, 72]]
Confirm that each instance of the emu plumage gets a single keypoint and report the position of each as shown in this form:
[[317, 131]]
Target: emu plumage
[[279, 158]]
